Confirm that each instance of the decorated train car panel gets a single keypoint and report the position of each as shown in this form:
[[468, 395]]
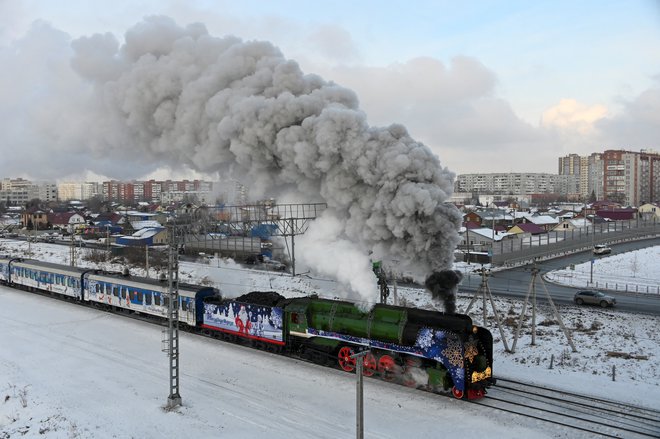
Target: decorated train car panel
[[4, 270], [251, 319], [45, 276], [143, 295]]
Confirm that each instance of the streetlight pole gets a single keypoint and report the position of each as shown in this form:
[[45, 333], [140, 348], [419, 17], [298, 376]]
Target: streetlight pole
[[359, 409]]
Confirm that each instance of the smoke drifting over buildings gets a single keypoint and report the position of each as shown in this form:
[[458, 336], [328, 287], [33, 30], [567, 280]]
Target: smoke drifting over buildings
[[239, 108]]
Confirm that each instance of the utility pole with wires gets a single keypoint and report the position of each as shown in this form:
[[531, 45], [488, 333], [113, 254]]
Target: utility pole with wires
[[532, 291], [72, 251], [176, 230], [358, 357], [172, 349], [484, 291]]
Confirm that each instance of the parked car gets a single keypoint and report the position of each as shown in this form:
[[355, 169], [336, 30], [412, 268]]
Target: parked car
[[594, 297], [272, 264], [602, 250]]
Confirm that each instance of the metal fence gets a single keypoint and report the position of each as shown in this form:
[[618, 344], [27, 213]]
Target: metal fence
[[554, 244], [613, 285]]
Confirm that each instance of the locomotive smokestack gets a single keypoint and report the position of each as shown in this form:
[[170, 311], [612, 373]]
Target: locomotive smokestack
[[443, 285]]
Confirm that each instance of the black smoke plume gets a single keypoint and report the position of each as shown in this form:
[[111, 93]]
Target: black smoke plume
[[443, 285]]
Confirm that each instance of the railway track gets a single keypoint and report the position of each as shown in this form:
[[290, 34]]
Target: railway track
[[581, 415]]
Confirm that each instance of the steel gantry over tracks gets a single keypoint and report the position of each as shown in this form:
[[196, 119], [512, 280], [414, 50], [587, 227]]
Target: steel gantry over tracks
[[289, 220]]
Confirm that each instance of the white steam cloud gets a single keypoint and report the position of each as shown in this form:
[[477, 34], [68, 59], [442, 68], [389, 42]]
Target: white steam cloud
[[239, 108]]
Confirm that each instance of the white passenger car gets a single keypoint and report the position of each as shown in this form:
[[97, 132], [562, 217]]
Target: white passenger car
[[602, 250]]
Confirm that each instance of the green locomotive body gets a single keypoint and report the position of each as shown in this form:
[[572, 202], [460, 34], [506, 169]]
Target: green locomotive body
[[416, 347]]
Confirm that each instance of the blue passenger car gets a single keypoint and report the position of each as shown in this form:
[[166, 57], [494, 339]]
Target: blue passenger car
[[47, 276], [145, 295], [4, 268]]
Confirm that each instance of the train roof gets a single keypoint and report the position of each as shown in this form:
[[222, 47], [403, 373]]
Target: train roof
[[103, 274], [262, 298], [51, 266], [145, 280]]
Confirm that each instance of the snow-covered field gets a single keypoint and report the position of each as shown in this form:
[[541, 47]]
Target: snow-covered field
[[75, 372], [637, 271]]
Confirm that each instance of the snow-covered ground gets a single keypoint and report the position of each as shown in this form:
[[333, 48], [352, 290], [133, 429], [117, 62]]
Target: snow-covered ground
[[637, 271], [72, 372]]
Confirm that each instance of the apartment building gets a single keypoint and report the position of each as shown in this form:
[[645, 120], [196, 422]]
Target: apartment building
[[578, 166], [631, 177], [517, 183], [18, 191], [624, 176], [153, 191], [75, 190]]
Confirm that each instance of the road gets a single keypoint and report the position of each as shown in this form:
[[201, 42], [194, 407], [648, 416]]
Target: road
[[515, 282]]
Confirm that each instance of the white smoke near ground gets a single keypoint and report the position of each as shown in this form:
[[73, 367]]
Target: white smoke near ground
[[325, 247], [239, 108]]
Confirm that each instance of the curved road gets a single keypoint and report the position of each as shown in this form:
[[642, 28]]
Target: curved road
[[515, 282]]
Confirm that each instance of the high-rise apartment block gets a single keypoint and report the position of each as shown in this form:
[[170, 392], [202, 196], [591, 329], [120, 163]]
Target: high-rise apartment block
[[77, 190], [155, 191], [624, 176], [577, 166], [18, 191], [516, 183]]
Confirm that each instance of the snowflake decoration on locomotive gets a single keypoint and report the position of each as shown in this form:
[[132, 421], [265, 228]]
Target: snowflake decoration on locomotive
[[445, 348]]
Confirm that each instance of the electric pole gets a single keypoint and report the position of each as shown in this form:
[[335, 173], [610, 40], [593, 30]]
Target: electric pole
[[532, 292], [174, 398], [484, 291], [359, 406]]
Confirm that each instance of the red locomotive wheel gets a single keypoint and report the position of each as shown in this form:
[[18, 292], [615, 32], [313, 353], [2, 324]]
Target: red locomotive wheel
[[457, 393], [387, 367], [345, 361], [370, 365]]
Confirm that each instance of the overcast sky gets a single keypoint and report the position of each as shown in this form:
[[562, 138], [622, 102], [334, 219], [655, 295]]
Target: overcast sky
[[489, 86]]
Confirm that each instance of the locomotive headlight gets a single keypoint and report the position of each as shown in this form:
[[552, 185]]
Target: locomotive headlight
[[474, 329]]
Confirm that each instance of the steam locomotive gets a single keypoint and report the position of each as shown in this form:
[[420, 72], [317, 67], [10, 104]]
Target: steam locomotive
[[430, 350]]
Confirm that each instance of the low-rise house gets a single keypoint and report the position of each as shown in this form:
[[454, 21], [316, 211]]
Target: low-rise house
[[148, 236], [527, 228], [34, 219], [68, 221], [618, 214], [472, 217], [546, 222], [605, 205], [496, 217], [481, 240], [649, 211], [572, 224], [471, 225]]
